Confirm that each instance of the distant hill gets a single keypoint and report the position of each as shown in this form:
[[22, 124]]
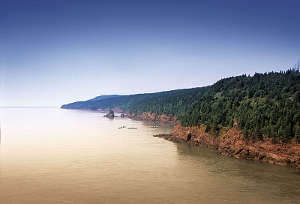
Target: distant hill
[[87, 104], [101, 97], [264, 104], [127, 103]]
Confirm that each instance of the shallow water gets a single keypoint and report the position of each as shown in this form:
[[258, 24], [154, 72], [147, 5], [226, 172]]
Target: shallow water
[[50, 155]]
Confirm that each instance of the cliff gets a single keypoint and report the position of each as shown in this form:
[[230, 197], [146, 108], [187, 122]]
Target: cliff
[[231, 142]]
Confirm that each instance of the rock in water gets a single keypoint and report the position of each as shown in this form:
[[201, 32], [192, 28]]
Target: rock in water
[[110, 114]]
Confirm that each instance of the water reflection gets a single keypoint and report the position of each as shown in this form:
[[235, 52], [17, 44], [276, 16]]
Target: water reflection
[[275, 181]]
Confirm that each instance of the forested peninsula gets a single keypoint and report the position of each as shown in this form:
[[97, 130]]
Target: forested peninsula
[[254, 117]]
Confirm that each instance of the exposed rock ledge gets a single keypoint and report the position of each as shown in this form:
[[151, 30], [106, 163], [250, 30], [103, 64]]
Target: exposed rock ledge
[[232, 143]]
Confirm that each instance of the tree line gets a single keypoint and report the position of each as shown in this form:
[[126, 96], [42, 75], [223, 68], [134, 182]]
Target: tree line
[[262, 105]]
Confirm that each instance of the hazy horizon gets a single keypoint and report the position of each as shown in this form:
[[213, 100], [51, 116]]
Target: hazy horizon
[[57, 52]]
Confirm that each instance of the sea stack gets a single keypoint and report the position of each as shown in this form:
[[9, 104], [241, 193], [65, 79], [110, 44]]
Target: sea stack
[[110, 114]]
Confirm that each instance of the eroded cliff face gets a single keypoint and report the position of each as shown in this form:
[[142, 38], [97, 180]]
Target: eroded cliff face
[[232, 143]]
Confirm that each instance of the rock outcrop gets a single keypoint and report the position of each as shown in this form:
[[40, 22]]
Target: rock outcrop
[[232, 143], [110, 114]]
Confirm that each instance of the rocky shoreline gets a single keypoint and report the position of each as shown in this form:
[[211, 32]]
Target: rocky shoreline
[[230, 142]]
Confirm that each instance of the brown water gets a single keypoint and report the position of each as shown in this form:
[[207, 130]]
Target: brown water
[[69, 156]]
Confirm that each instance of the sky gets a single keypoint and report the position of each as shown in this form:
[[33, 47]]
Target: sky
[[54, 52]]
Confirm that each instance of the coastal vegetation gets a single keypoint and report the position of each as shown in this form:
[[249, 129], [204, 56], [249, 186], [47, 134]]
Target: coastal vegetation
[[262, 105]]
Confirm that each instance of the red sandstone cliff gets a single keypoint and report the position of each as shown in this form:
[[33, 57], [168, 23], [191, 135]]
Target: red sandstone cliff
[[230, 142]]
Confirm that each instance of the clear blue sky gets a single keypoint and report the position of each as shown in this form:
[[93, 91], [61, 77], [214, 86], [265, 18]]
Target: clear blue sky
[[58, 51]]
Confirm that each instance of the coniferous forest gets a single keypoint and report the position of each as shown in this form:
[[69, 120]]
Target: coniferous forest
[[262, 105]]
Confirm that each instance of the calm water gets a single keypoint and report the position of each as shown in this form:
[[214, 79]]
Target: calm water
[[69, 156]]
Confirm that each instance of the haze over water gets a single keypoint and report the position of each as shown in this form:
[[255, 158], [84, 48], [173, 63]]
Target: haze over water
[[68, 156]]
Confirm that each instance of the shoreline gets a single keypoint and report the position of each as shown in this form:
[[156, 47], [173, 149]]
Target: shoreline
[[230, 142]]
